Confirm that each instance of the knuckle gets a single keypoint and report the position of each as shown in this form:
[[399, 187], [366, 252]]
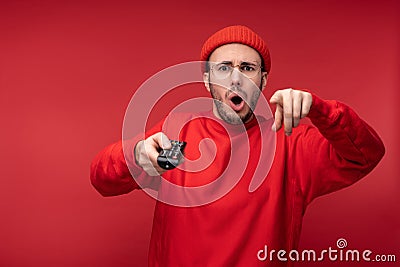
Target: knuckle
[[287, 115], [141, 155], [297, 93], [145, 149], [146, 142]]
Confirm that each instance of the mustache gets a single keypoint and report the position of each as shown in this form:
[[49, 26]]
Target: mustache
[[236, 89]]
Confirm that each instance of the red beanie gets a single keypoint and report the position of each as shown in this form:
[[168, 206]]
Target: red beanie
[[237, 34]]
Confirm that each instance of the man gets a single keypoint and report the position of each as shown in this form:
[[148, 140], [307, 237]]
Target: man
[[309, 161]]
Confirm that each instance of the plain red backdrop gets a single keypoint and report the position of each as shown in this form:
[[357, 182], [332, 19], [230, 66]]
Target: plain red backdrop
[[69, 68]]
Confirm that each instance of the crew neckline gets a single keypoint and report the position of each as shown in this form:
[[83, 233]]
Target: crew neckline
[[222, 126]]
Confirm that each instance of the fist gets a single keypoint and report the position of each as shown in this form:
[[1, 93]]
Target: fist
[[147, 151]]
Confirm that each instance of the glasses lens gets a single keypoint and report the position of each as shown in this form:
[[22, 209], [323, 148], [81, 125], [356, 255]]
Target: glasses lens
[[223, 70], [250, 70]]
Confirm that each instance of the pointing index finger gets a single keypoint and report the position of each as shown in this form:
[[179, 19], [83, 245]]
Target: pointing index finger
[[288, 113]]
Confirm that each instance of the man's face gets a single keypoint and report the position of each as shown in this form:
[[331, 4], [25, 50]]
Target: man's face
[[236, 95]]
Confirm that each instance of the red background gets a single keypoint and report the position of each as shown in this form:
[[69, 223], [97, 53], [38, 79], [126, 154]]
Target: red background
[[69, 68]]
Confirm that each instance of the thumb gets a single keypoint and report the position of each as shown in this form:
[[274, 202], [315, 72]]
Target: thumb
[[162, 140]]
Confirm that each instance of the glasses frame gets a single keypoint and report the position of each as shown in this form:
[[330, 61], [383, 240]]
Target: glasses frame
[[232, 67]]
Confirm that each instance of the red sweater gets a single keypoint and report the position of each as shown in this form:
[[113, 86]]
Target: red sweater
[[336, 151]]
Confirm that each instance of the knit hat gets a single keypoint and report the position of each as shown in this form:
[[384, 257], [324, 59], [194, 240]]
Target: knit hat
[[237, 34]]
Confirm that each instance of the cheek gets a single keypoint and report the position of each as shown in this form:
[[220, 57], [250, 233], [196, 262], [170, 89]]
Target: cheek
[[218, 90], [251, 87], [256, 82]]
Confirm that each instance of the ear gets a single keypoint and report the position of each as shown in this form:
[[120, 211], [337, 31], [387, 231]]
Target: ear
[[264, 80], [206, 80]]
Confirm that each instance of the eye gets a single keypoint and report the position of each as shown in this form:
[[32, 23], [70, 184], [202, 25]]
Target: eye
[[247, 68], [223, 67]]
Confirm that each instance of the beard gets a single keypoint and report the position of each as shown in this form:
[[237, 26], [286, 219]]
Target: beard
[[229, 115]]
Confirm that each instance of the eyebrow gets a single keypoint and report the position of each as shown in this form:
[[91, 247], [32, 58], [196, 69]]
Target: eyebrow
[[244, 63]]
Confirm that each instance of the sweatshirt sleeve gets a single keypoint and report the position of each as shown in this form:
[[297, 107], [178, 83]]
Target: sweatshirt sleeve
[[114, 170], [337, 152]]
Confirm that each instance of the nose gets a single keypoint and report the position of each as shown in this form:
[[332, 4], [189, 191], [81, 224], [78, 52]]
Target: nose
[[236, 77]]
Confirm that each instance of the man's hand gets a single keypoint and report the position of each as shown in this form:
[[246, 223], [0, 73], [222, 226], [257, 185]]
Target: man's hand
[[291, 106], [146, 153]]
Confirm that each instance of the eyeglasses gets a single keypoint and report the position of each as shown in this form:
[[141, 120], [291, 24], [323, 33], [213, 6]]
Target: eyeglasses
[[224, 70]]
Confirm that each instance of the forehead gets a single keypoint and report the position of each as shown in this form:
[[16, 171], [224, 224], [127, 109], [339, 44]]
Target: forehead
[[235, 53]]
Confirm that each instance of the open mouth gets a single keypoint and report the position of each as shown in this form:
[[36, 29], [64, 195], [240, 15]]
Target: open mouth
[[236, 102]]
